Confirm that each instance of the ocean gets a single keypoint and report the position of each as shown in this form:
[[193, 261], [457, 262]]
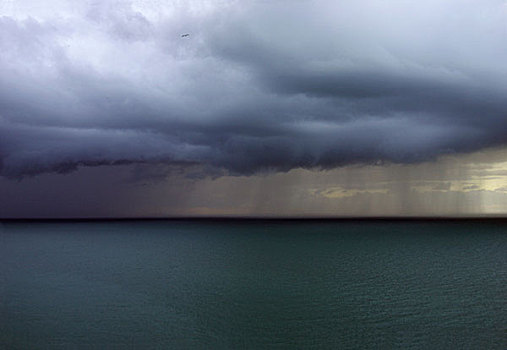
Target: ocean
[[183, 284]]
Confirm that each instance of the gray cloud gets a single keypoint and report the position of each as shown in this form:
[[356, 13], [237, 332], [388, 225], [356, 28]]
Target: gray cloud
[[257, 86]]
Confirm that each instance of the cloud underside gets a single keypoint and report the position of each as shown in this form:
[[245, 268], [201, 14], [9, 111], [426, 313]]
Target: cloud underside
[[255, 87]]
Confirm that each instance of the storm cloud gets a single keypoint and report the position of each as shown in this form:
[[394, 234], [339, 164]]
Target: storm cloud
[[257, 86]]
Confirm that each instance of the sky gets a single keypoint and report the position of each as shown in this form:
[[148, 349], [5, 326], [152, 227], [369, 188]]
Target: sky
[[266, 108]]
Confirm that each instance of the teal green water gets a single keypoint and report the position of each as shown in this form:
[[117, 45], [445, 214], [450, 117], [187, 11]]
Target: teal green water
[[253, 285]]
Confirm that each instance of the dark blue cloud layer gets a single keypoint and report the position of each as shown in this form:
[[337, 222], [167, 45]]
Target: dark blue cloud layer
[[255, 87]]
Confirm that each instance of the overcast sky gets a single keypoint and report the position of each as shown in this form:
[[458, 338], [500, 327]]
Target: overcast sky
[[258, 91]]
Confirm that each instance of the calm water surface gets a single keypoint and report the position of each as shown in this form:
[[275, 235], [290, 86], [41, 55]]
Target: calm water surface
[[253, 285]]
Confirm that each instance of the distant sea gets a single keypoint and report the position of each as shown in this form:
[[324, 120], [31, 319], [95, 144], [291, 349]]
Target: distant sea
[[253, 285]]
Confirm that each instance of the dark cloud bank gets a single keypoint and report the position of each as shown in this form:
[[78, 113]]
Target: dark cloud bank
[[257, 86]]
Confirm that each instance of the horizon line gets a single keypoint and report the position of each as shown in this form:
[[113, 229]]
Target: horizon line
[[485, 217]]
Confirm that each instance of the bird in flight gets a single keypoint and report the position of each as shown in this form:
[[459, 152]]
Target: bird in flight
[[184, 35]]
